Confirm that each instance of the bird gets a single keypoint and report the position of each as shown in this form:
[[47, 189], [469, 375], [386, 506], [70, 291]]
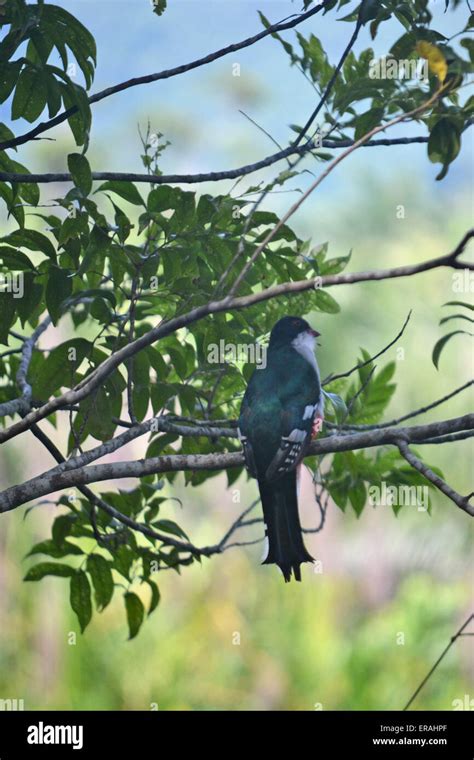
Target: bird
[[282, 410]]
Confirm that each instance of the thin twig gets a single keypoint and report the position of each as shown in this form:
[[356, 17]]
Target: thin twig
[[23, 403], [330, 84], [291, 165], [461, 501], [410, 115], [410, 415], [166, 74], [332, 378], [440, 658]]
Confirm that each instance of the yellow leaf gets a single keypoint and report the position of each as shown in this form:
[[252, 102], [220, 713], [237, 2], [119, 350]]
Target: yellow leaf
[[436, 60]]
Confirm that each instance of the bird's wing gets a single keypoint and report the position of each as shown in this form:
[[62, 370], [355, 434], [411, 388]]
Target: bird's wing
[[298, 415], [285, 407], [244, 423], [297, 427]]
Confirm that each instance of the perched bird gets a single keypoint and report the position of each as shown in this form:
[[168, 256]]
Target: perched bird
[[281, 411]]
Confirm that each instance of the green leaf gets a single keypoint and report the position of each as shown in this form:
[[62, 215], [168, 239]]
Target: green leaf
[[159, 6], [65, 29], [81, 172], [155, 596], [59, 367], [444, 144], [369, 9], [456, 316], [62, 528], [360, 89], [102, 579], [95, 415], [163, 198], [135, 613], [58, 288], [37, 572], [98, 246], [325, 302], [8, 80], [80, 121], [52, 549], [8, 305], [338, 404], [125, 190], [80, 598], [460, 303], [32, 297], [169, 526], [358, 497], [123, 560], [30, 95], [140, 367], [367, 121], [441, 344], [15, 260], [31, 239]]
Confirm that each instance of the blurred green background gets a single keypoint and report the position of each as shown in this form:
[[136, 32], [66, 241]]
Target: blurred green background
[[229, 634]]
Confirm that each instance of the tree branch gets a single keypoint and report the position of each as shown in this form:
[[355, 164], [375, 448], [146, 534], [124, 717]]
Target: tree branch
[[55, 479], [166, 74], [216, 176], [95, 378], [195, 179], [146, 530], [327, 171], [331, 378], [461, 501], [330, 84], [22, 404]]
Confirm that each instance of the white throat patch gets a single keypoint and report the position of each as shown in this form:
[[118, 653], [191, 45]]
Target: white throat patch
[[304, 343]]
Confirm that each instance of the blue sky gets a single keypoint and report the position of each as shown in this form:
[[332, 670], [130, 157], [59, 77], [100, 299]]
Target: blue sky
[[199, 111]]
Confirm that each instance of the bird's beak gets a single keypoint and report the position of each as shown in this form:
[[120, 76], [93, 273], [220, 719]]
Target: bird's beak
[[314, 333]]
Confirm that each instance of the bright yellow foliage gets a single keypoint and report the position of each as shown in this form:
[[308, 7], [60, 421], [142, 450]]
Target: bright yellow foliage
[[436, 60]]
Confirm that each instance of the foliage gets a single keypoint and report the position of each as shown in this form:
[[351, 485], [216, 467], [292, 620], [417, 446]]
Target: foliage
[[115, 259], [442, 342]]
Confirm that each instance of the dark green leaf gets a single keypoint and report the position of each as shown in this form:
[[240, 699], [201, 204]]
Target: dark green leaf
[[155, 596], [102, 580], [460, 303], [30, 95], [135, 613], [169, 526], [37, 572], [58, 288], [444, 144], [441, 344], [80, 598], [52, 549], [80, 171], [125, 190], [31, 239]]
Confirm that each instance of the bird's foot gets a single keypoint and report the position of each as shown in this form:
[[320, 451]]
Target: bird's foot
[[316, 427]]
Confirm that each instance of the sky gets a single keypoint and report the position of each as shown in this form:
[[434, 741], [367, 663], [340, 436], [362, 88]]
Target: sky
[[199, 112]]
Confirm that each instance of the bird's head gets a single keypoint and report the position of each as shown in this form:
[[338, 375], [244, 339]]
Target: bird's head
[[289, 329]]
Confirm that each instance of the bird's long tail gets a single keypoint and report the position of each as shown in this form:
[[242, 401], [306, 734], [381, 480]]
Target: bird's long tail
[[282, 526]]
